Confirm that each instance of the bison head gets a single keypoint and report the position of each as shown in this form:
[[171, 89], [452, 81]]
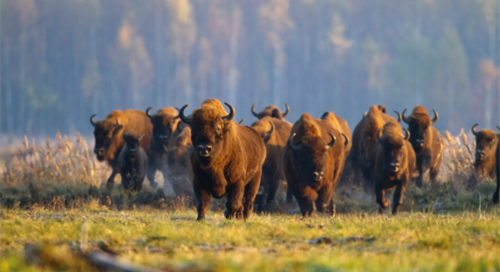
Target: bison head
[[104, 133], [393, 146], [486, 142], [164, 126], [271, 111], [310, 151], [419, 124], [133, 143], [265, 128], [209, 129]]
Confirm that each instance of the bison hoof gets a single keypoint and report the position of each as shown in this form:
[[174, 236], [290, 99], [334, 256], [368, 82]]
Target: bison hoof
[[200, 218], [228, 215]]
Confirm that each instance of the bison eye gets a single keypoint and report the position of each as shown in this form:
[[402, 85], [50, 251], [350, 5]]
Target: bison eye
[[218, 130]]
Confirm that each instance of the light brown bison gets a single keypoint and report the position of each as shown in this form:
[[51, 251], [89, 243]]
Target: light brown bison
[[313, 161], [133, 162], [364, 138], [179, 165], [271, 111], [426, 140], [275, 133], [392, 164], [109, 137], [486, 146], [164, 125], [227, 160], [496, 194]]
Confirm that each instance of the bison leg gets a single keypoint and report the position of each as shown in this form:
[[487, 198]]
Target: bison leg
[[138, 183], [434, 172], [420, 177], [203, 197], [324, 200], [382, 202], [307, 207], [151, 171], [251, 190], [234, 197], [398, 198], [289, 196], [111, 180]]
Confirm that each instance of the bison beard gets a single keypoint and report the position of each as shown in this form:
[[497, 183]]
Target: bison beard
[[313, 161], [227, 160], [426, 141], [392, 163], [109, 141]]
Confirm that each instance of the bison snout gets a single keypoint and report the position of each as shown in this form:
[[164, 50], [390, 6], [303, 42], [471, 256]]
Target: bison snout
[[420, 143], [99, 152], [318, 176], [394, 167], [204, 150]]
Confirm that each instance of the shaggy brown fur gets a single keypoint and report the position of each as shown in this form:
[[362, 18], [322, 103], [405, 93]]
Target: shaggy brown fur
[[363, 140], [133, 162], [426, 140], [164, 125], [275, 133], [271, 111], [109, 140], [392, 163], [486, 146], [227, 160], [312, 163], [179, 165]]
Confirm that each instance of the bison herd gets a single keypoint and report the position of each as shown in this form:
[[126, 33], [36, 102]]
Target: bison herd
[[206, 154]]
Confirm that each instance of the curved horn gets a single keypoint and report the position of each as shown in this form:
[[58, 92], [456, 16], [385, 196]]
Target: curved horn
[[253, 111], [407, 120], [346, 139], [229, 117], [185, 119], [378, 134], [399, 116], [147, 111], [286, 112], [332, 142], [436, 116], [178, 110], [407, 134], [117, 122], [474, 129], [271, 130], [242, 120], [293, 146], [92, 120]]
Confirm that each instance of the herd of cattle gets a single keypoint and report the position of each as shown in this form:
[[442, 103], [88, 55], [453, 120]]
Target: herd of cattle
[[207, 154]]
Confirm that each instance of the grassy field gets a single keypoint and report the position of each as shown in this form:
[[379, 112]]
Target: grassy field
[[44, 240]]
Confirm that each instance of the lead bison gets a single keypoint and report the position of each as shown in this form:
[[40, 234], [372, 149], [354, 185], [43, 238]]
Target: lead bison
[[275, 133], [486, 146], [271, 111], [227, 160], [165, 123], [109, 140], [426, 140], [364, 138], [313, 161], [392, 164]]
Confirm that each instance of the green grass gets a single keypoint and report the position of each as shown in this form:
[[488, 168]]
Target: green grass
[[465, 241]]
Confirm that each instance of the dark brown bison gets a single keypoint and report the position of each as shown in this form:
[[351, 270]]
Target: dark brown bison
[[313, 161], [486, 146], [364, 138], [165, 123], [271, 111], [227, 160], [179, 165], [275, 133], [496, 194], [426, 140], [109, 140], [392, 164], [133, 162]]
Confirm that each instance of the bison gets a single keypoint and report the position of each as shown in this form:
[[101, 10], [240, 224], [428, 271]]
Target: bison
[[179, 164], [426, 140], [226, 158], [275, 133], [109, 137], [133, 162], [313, 161], [271, 111], [496, 194], [364, 138], [392, 164], [486, 146]]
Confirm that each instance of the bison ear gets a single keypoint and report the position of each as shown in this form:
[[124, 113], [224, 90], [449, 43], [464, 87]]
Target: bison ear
[[382, 108], [117, 129]]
